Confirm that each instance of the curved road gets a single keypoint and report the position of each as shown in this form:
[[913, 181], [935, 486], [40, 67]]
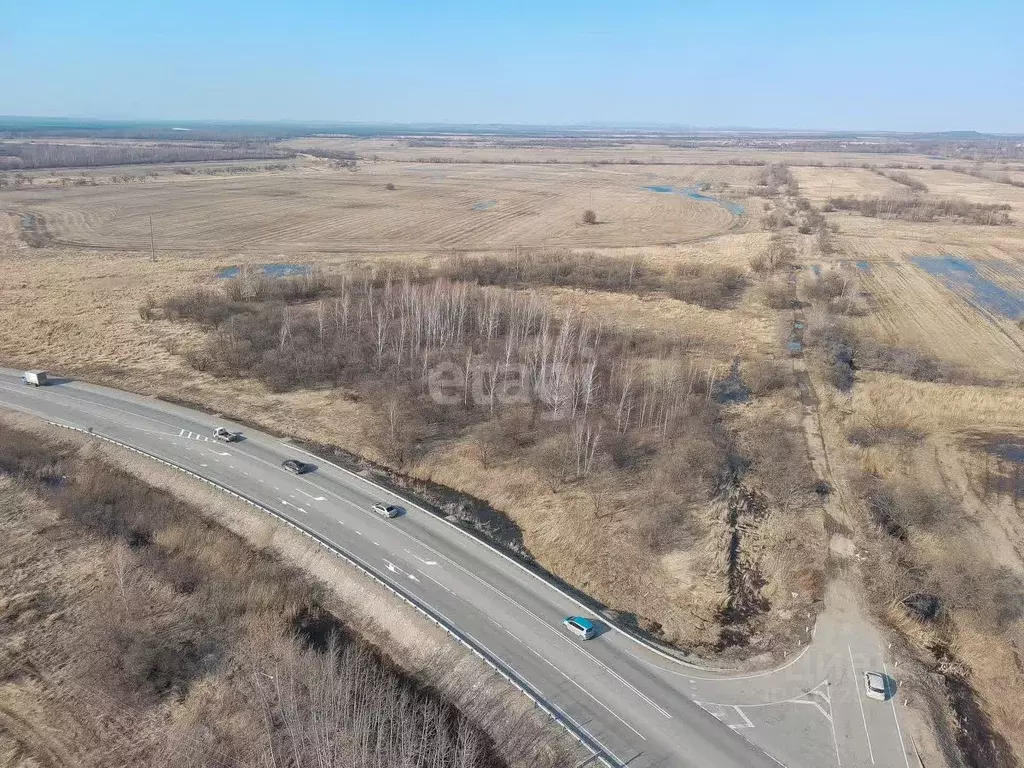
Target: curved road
[[636, 707]]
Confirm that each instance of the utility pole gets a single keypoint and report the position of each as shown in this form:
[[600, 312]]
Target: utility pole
[[152, 242]]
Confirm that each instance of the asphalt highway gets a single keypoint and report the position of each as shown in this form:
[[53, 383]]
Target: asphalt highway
[[634, 706]]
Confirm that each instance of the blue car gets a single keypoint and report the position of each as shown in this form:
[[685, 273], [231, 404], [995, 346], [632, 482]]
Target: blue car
[[581, 627]]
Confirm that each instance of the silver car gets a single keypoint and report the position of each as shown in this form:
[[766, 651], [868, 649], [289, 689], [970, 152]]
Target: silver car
[[386, 510], [875, 686]]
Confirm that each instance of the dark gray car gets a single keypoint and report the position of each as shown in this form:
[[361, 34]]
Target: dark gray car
[[296, 467]]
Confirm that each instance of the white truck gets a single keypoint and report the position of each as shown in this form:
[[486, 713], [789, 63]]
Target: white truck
[[226, 435], [35, 378]]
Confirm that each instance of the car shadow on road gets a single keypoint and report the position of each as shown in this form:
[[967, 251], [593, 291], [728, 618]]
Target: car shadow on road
[[52, 381], [890, 685]]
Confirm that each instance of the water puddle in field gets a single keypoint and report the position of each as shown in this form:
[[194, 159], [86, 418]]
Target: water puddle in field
[[696, 192], [484, 205], [962, 278], [267, 270]]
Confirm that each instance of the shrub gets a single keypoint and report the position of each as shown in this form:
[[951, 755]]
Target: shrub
[[708, 287], [778, 294], [777, 255], [389, 187], [893, 434], [201, 306], [826, 286], [901, 507], [908, 181], [902, 361], [825, 242], [838, 348], [775, 220], [763, 377], [589, 217], [916, 208]]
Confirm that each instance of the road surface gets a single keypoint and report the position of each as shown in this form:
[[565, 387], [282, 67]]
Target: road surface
[[635, 706]]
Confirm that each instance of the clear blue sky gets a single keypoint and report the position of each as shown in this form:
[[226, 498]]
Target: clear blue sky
[[895, 65]]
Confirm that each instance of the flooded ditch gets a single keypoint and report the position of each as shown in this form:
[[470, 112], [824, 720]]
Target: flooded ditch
[[265, 270], [696, 192]]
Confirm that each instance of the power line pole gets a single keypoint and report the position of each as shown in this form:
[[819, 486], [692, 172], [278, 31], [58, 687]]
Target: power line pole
[[152, 242]]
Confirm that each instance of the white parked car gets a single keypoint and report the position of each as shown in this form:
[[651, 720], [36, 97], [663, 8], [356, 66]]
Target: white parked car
[[875, 687]]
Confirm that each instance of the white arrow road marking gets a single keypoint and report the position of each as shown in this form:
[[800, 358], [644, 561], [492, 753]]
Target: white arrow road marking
[[395, 569], [289, 504], [217, 453], [314, 498], [425, 562]]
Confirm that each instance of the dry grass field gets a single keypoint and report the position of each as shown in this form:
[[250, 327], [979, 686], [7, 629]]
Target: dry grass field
[[432, 207], [952, 430]]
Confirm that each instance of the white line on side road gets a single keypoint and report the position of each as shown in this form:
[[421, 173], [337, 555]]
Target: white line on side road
[[832, 720], [892, 700], [860, 700]]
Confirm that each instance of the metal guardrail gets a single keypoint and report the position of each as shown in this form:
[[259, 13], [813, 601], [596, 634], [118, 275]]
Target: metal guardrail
[[598, 751]]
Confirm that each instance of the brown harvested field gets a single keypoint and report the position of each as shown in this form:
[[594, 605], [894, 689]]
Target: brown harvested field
[[819, 184], [433, 207], [938, 322]]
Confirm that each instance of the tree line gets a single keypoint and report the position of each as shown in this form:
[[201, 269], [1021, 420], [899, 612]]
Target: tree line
[[23, 156]]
